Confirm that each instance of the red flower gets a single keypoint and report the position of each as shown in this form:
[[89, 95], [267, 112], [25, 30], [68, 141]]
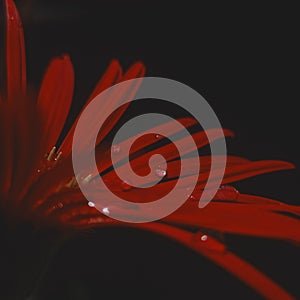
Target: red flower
[[42, 189]]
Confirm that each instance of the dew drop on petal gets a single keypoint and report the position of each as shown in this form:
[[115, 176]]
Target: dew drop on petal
[[158, 136], [203, 238], [105, 210], [209, 242], [91, 204], [160, 172], [227, 193], [116, 149], [192, 197], [60, 205]]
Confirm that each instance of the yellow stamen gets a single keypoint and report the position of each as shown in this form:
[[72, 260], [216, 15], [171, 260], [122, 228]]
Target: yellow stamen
[[51, 154], [58, 156], [72, 183]]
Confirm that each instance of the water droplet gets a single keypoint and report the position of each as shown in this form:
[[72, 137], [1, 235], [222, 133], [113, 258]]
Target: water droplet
[[91, 204], [60, 205], [226, 193], [203, 238], [12, 18], [105, 210], [39, 171], [126, 186], [209, 242], [158, 136], [160, 172], [116, 149], [192, 197]]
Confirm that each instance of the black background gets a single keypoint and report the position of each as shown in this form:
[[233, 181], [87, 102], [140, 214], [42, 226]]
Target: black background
[[241, 57]]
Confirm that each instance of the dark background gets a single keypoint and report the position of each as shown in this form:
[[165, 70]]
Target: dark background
[[241, 57]]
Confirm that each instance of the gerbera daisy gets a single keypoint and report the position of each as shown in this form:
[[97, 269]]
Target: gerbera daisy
[[41, 202]]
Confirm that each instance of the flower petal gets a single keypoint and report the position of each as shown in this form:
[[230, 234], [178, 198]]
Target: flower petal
[[55, 98], [48, 183], [250, 169], [135, 71], [111, 76], [169, 152], [106, 106], [6, 154], [15, 53], [141, 143], [241, 218], [233, 172]]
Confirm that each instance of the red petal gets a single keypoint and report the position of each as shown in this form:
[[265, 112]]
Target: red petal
[[260, 220], [15, 52], [6, 154], [65, 197], [245, 217], [141, 143], [236, 172], [233, 172], [20, 134], [243, 171], [136, 71], [106, 105], [173, 170], [55, 98], [111, 76], [169, 152], [48, 183]]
